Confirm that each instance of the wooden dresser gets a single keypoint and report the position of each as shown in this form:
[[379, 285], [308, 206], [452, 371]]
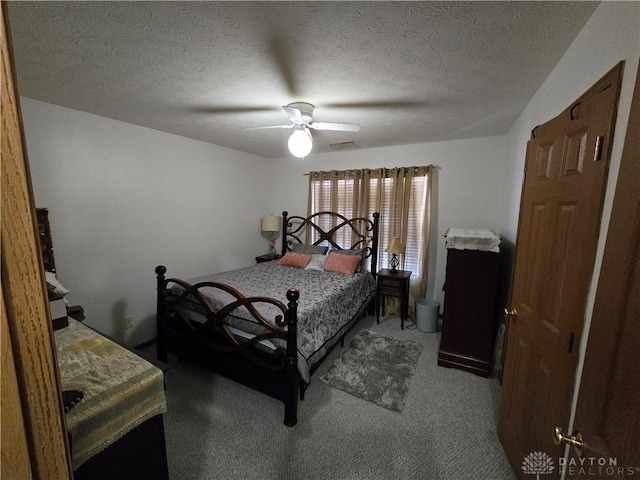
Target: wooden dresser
[[470, 301], [117, 430]]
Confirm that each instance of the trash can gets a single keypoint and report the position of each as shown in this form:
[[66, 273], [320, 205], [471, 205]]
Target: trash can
[[427, 315]]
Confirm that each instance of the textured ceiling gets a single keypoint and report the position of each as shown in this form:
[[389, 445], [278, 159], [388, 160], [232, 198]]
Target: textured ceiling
[[407, 72]]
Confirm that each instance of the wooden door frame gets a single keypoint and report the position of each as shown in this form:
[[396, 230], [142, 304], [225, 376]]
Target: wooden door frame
[[29, 331]]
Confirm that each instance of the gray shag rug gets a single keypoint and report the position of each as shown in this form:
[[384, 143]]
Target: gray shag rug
[[376, 368]]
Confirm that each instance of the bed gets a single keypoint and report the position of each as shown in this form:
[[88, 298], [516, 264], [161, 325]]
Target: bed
[[270, 325]]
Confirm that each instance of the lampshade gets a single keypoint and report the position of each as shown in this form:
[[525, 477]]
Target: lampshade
[[270, 223], [300, 142], [395, 246]]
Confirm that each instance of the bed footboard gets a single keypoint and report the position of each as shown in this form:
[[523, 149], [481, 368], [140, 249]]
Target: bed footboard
[[215, 344]]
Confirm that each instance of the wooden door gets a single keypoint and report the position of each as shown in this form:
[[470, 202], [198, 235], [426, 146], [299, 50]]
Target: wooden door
[[563, 191], [608, 405], [30, 382]]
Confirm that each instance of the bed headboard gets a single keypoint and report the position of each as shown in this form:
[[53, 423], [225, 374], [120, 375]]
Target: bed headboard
[[334, 229]]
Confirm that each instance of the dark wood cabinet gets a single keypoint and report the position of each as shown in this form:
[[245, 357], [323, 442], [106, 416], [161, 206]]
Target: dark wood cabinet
[[470, 311]]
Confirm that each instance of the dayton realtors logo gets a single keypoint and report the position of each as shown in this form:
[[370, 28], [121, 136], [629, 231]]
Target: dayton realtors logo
[[537, 463], [596, 466], [540, 463]]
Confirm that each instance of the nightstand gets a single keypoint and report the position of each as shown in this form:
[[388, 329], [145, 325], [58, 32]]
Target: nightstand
[[267, 257], [393, 285]]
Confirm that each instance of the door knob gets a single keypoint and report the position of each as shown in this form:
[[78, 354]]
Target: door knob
[[576, 440], [510, 314]]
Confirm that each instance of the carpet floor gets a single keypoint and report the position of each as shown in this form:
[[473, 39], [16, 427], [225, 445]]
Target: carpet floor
[[217, 429]]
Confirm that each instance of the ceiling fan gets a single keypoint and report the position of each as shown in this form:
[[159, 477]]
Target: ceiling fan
[[301, 116]]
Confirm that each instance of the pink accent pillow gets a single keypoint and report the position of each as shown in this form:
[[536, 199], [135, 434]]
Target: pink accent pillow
[[299, 260], [339, 263]]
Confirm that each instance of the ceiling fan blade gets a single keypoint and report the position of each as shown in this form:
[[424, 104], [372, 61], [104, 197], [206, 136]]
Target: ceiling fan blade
[[294, 114], [401, 103], [271, 126], [281, 52], [342, 127], [231, 109]]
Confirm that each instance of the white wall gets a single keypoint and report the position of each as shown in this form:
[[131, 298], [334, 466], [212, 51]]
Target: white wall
[[124, 199], [466, 185]]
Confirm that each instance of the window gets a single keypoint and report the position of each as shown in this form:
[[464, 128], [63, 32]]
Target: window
[[400, 195]]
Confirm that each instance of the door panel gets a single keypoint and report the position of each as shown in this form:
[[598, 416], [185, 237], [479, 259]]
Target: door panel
[[534, 249], [551, 301], [557, 238], [577, 145]]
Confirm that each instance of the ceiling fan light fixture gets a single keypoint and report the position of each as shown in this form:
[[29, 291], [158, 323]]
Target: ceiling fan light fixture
[[300, 142]]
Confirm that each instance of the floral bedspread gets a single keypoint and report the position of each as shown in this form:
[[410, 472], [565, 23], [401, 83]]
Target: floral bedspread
[[328, 302]]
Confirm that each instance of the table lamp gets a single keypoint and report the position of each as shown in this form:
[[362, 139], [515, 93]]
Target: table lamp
[[271, 225], [395, 247]]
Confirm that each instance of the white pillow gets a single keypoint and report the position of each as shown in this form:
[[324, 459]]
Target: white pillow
[[53, 280], [317, 262]]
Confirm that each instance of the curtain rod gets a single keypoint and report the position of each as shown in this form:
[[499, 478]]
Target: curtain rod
[[433, 167]]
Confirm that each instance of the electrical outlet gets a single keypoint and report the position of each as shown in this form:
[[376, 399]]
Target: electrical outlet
[[127, 322]]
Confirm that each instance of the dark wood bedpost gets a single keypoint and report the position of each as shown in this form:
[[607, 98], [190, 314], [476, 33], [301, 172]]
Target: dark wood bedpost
[[285, 216], [161, 347], [291, 402], [374, 245]]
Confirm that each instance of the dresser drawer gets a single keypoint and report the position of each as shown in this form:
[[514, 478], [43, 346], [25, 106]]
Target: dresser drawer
[[393, 291], [390, 282]]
